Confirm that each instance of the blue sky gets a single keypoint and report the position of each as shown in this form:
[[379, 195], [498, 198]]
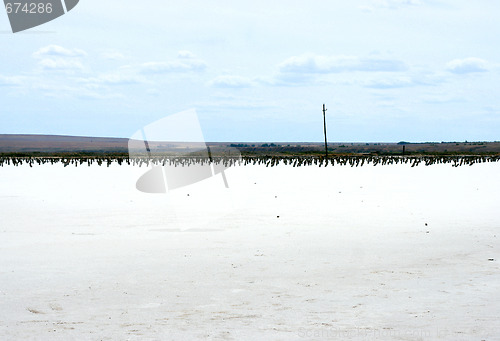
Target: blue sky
[[388, 70]]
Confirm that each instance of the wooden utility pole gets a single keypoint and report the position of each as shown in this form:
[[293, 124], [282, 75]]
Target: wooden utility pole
[[324, 126]]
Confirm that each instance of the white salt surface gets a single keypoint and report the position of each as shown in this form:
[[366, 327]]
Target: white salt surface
[[84, 255]]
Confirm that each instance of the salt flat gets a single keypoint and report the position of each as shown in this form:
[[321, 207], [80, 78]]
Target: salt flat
[[308, 253]]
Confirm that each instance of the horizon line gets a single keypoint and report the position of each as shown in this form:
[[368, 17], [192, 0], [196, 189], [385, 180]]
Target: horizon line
[[250, 142]]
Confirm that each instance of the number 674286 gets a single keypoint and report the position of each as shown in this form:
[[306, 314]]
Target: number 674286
[[28, 8]]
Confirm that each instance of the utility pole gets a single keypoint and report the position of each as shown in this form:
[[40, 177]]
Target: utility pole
[[324, 126]]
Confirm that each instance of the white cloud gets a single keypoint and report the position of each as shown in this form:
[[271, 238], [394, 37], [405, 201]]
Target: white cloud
[[92, 95], [113, 55], [173, 66], [186, 54], [366, 8], [231, 82], [67, 90], [241, 103], [311, 64], [58, 58], [58, 51], [11, 80], [467, 65], [60, 64], [390, 83], [187, 62], [443, 99], [289, 79], [389, 4], [166, 67], [396, 3], [404, 81], [153, 92], [114, 79]]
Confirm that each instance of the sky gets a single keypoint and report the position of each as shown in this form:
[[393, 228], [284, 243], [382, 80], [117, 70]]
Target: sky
[[387, 70]]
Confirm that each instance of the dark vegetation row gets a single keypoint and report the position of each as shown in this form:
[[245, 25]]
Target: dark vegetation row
[[267, 160]]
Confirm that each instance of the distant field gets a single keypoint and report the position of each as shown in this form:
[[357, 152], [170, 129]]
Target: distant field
[[451, 148], [53, 145]]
